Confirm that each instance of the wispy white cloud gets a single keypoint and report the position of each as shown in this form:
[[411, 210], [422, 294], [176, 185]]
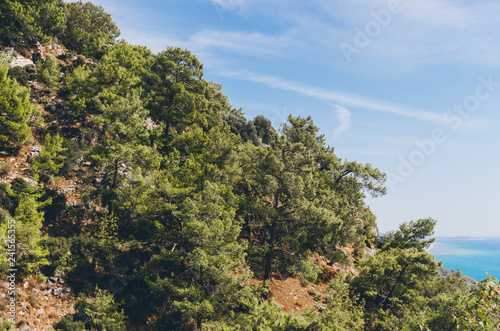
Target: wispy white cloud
[[226, 3], [244, 7], [247, 43], [425, 31], [230, 3], [335, 96], [344, 117], [156, 43]]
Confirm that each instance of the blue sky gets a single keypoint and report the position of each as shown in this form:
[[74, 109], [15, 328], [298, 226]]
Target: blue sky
[[409, 86]]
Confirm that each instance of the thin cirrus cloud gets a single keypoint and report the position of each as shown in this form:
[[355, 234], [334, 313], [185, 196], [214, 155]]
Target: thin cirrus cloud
[[437, 31], [334, 96], [344, 117], [255, 43], [228, 3], [424, 31], [246, 43]]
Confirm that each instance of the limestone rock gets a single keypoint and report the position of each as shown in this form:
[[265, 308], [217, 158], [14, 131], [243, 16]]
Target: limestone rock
[[9, 51], [57, 291], [369, 251], [20, 61], [23, 326], [53, 49]]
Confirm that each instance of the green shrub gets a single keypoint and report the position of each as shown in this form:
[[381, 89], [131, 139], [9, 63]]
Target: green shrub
[[71, 155], [5, 168], [7, 325], [19, 186], [68, 323], [49, 74], [19, 74], [16, 109], [51, 158], [80, 60], [342, 312], [7, 199], [36, 57], [59, 254], [308, 271], [3, 216], [30, 252], [58, 205], [99, 313]]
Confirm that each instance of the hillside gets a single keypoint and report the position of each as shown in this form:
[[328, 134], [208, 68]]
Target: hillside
[[67, 189], [135, 196]]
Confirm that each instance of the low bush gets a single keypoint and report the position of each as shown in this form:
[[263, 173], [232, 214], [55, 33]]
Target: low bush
[[19, 74], [5, 168]]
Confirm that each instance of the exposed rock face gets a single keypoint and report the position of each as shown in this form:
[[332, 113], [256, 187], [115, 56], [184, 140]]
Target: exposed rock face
[[21, 61], [57, 291], [53, 49], [24, 326], [9, 51], [40, 303], [150, 124], [369, 251]]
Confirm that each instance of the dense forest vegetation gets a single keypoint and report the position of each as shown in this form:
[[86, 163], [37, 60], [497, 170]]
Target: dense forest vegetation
[[201, 207]]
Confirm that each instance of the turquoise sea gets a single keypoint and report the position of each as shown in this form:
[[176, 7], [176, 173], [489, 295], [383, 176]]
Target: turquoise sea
[[475, 257]]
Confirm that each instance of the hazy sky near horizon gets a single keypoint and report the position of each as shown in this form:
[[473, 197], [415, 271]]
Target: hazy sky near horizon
[[409, 86]]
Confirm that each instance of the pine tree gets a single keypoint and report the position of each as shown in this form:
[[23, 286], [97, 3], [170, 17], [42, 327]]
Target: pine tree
[[123, 151], [179, 97], [88, 29], [394, 281], [15, 111], [213, 253], [342, 311], [49, 74], [294, 199], [30, 21], [97, 313], [51, 158], [30, 252]]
